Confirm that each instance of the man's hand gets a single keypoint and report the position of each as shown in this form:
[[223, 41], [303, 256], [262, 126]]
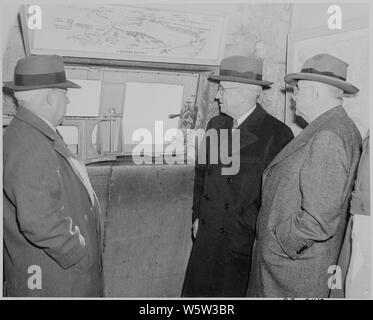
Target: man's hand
[[195, 228]]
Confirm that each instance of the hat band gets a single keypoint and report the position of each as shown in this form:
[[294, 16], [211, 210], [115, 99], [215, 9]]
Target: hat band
[[324, 73], [39, 79], [247, 75]]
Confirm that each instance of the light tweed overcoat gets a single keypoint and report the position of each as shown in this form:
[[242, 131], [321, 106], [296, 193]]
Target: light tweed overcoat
[[302, 221]]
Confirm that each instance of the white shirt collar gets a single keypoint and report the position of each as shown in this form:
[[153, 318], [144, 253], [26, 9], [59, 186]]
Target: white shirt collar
[[244, 116]]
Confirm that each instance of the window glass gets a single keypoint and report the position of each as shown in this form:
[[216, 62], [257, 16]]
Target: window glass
[[148, 103], [86, 100]]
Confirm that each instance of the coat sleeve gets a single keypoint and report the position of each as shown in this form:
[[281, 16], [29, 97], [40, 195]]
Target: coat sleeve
[[323, 178], [37, 194], [199, 179]]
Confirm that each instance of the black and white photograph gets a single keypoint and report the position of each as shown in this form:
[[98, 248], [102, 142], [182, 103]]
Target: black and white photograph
[[186, 150]]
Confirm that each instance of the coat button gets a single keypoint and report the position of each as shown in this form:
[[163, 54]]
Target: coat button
[[229, 180], [221, 230], [302, 249]]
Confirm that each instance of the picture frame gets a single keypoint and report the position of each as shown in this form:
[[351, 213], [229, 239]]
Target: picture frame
[[99, 31]]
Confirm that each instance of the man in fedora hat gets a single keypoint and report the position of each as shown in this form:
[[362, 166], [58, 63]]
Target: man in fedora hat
[[51, 213], [226, 206], [306, 190]]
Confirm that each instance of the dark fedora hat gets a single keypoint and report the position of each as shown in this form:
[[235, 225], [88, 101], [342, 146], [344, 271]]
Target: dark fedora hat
[[40, 71], [324, 68], [241, 69]]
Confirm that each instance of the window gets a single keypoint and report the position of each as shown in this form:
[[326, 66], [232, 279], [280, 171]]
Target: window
[[136, 98], [84, 102]]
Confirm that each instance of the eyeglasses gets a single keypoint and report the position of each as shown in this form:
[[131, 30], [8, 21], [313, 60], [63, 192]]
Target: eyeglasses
[[296, 89], [60, 90], [222, 90], [64, 92]]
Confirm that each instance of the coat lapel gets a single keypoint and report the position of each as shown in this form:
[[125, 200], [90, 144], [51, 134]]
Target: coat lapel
[[36, 122], [245, 132], [57, 141], [33, 120], [306, 135], [249, 125], [61, 148]]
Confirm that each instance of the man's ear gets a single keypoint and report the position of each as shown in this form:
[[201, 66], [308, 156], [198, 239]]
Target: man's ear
[[315, 93], [259, 93], [49, 97]]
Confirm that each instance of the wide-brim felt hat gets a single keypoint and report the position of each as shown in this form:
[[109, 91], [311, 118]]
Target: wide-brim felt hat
[[243, 70], [40, 71], [324, 68]]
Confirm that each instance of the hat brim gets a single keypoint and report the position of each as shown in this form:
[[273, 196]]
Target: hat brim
[[263, 83], [347, 88], [64, 85]]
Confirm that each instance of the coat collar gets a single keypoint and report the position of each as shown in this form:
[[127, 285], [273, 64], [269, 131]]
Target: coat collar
[[253, 120], [307, 133], [33, 120]]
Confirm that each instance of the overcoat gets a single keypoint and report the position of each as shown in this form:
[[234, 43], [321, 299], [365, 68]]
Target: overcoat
[[227, 207], [302, 221], [46, 206]]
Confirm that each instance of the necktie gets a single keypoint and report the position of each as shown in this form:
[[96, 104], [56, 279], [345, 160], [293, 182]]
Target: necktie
[[235, 124]]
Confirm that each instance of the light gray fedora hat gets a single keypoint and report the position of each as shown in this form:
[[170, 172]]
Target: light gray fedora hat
[[324, 68], [241, 69], [40, 71]]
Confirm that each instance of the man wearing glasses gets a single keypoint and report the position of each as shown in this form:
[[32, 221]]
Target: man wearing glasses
[[51, 213], [306, 190], [226, 206]]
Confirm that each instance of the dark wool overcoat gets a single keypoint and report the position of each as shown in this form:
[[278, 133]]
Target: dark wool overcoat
[[45, 204], [227, 207]]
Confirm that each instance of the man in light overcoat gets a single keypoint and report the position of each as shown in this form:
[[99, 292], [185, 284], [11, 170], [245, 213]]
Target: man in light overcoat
[[306, 190]]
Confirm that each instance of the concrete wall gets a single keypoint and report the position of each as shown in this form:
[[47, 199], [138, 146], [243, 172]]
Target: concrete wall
[[258, 30], [12, 48], [307, 16]]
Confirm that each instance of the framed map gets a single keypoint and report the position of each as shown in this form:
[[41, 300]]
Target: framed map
[[351, 44], [127, 32]]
